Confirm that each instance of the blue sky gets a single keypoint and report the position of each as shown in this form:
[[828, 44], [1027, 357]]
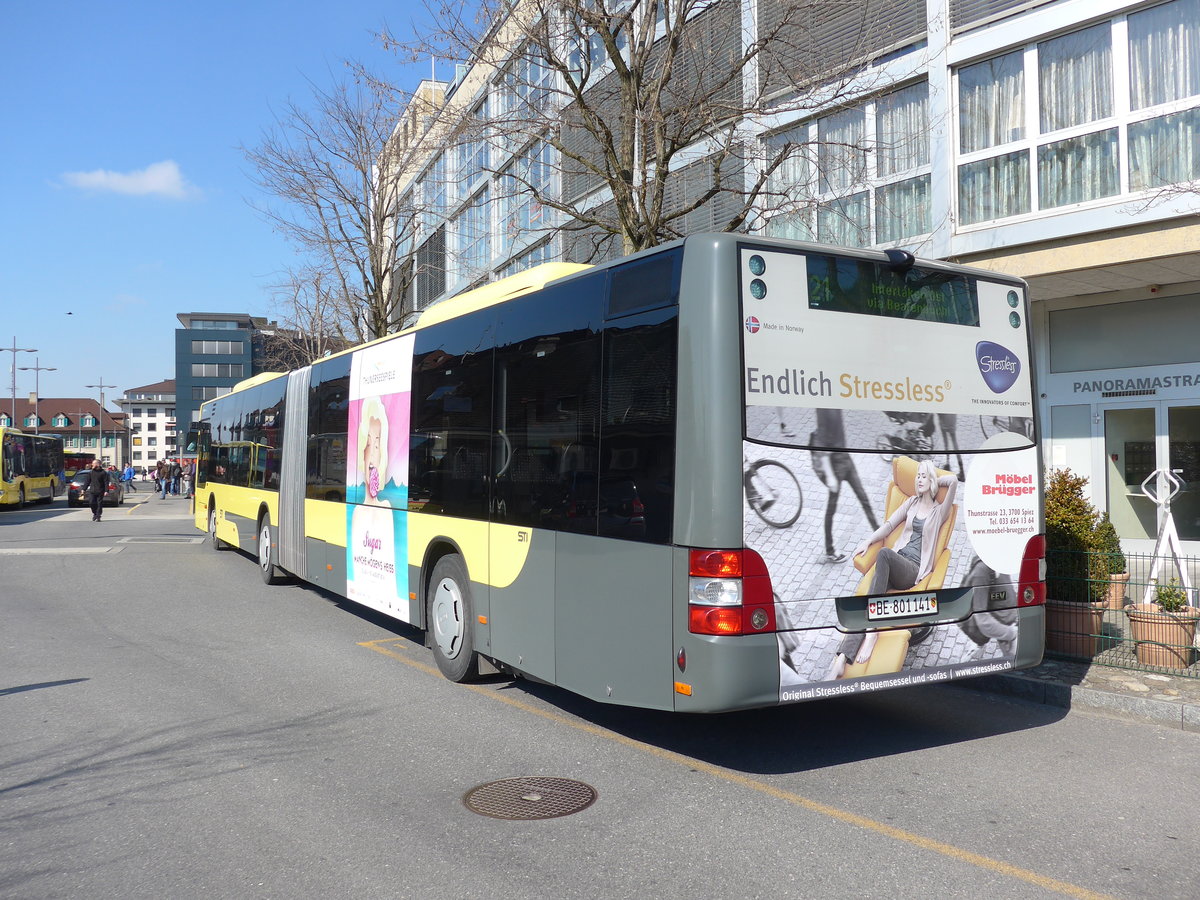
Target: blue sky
[[123, 191]]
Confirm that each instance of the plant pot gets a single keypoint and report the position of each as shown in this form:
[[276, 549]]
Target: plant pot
[[1072, 628], [1116, 590], [1163, 639]]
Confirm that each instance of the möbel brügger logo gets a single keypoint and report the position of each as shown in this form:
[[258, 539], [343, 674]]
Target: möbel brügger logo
[[998, 365]]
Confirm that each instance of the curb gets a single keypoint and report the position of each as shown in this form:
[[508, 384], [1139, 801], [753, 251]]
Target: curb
[[1175, 714]]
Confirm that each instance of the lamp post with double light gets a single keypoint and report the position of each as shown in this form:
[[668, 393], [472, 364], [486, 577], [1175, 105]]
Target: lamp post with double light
[[100, 422], [14, 350], [36, 369]]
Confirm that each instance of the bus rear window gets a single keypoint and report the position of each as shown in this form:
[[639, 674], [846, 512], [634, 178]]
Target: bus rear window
[[868, 288]]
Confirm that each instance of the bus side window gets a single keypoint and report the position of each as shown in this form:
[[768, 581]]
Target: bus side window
[[450, 445], [547, 408], [637, 438], [328, 416]]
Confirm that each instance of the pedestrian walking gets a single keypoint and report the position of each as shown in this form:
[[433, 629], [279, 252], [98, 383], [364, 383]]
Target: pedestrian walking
[[127, 477], [176, 476], [834, 467], [96, 488], [164, 478]]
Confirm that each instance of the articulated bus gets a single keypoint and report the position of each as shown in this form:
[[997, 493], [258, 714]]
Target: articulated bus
[[727, 472], [31, 467]]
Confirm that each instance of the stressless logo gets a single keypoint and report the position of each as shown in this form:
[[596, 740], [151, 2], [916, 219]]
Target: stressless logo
[[998, 365]]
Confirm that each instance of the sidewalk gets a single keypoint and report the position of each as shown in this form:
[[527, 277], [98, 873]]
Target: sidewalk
[[1168, 700]]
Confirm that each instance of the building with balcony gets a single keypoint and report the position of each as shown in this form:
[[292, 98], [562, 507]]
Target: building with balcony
[[1056, 140], [150, 413]]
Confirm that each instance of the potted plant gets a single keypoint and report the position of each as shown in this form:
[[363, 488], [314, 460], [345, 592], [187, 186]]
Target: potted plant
[[1118, 571], [1076, 568], [1165, 630]]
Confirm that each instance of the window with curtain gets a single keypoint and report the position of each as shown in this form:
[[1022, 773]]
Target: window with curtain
[[902, 209], [993, 188], [902, 130], [902, 146], [991, 102], [1078, 169], [867, 179], [1164, 150], [845, 221], [1164, 53], [789, 187], [1075, 78], [841, 153]]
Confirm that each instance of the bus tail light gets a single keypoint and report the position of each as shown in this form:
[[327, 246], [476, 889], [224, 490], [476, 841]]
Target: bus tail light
[[1031, 584], [729, 592]]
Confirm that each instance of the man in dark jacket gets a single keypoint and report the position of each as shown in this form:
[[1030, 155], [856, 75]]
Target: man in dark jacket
[[96, 487]]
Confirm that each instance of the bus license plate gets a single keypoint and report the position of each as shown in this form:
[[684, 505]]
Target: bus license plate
[[900, 607]]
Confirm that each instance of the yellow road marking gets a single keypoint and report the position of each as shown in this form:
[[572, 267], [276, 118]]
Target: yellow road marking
[[841, 815]]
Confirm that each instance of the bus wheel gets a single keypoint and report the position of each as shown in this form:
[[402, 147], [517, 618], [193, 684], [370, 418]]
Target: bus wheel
[[21, 497], [214, 541], [449, 619], [271, 573]]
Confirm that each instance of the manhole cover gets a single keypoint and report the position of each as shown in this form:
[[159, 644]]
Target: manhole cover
[[530, 797]]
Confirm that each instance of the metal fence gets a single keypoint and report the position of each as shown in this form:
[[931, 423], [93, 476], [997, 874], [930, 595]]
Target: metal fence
[[1114, 621]]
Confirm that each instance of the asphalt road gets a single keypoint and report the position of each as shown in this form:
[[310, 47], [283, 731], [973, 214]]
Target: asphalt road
[[172, 727]]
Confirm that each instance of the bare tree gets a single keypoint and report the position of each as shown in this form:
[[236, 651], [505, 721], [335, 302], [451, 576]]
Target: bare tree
[[653, 107], [332, 173], [310, 322]]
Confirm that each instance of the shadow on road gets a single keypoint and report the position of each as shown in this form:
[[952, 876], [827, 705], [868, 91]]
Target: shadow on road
[[792, 738]]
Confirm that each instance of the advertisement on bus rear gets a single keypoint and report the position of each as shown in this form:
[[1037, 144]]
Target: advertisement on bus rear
[[890, 467], [377, 477]]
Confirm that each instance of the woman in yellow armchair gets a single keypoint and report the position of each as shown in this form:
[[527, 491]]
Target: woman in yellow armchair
[[900, 570], [923, 515]]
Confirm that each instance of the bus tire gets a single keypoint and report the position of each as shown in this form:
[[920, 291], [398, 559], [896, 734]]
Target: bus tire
[[449, 615], [271, 573], [215, 542], [21, 503]]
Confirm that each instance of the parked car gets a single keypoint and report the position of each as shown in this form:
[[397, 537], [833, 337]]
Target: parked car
[[76, 490]]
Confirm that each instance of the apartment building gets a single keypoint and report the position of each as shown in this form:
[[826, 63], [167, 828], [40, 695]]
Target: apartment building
[[150, 414], [1057, 140]]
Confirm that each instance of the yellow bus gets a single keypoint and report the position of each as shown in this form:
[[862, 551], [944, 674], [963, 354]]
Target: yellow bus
[[623, 479], [31, 467]]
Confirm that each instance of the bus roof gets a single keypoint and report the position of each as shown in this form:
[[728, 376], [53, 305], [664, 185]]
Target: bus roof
[[497, 292], [255, 379]]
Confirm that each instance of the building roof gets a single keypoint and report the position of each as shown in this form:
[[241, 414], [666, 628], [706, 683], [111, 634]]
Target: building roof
[[159, 387], [243, 320], [71, 407]]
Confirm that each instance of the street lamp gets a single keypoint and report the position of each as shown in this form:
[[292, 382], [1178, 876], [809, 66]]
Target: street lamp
[[100, 438], [36, 370], [14, 350]]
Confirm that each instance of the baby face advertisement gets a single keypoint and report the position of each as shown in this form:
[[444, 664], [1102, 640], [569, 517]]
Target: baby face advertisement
[[892, 479], [377, 477]]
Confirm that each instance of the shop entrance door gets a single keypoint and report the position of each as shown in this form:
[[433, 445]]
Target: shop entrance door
[[1138, 439]]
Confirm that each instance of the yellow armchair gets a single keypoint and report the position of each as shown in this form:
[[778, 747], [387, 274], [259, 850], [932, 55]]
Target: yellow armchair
[[900, 488]]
